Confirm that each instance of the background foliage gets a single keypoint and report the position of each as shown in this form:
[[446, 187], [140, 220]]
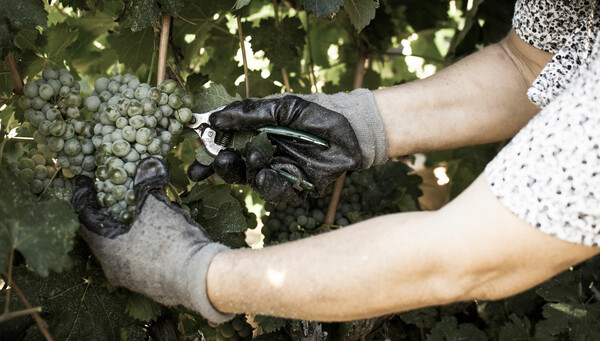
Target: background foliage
[[305, 46]]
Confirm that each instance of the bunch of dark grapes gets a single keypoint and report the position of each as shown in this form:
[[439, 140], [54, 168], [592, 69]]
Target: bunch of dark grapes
[[286, 222], [133, 121], [52, 106], [234, 330]]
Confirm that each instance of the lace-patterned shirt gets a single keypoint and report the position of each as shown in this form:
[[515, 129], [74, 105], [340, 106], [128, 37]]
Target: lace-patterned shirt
[[549, 174]]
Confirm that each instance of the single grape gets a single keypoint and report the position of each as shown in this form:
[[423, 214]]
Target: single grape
[[101, 84], [30, 90], [66, 79], [118, 176], [46, 91], [49, 73], [144, 136], [72, 147]]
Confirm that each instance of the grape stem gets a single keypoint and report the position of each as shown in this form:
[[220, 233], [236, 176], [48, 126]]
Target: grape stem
[[359, 77], [14, 314], [162, 49], [14, 73], [243, 47], [41, 323]]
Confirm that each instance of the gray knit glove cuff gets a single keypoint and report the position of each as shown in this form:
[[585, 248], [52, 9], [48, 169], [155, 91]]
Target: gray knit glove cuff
[[164, 255], [360, 109]]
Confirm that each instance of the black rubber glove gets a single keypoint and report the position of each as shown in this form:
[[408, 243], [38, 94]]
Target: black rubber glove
[[163, 254], [315, 164]]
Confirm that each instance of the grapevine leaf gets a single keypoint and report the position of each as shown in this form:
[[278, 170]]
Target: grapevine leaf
[[23, 14], [142, 308], [262, 143], [422, 318], [42, 231], [577, 320], [78, 304], [241, 138], [171, 6], [281, 43], [194, 83], [323, 8], [203, 157], [99, 23], [448, 329], [139, 14], [361, 12], [134, 48], [177, 175], [270, 324], [241, 3], [561, 288], [214, 97], [515, 329], [219, 213], [6, 42]]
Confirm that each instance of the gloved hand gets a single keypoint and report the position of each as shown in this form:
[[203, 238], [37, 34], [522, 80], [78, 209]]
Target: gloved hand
[[350, 123], [163, 254]]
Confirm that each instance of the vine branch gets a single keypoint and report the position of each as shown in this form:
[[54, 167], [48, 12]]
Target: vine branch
[[162, 49], [17, 80], [41, 323], [245, 61], [359, 77]]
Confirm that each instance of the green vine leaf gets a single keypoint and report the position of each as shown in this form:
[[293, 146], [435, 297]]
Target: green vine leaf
[[270, 324], [41, 231], [323, 8], [16, 16], [449, 329], [142, 308], [262, 143], [134, 48], [422, 318], [214, 97], [78, 303], [281, 43], [361, 12], [515, 329], [218, 212], [139, 14]]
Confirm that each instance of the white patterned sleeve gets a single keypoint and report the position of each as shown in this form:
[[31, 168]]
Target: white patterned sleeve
[[548, 24], [549, 174]]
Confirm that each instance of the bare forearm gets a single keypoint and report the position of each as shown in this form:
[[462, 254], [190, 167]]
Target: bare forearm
[[342, 275], [474, 248], [480, 99]]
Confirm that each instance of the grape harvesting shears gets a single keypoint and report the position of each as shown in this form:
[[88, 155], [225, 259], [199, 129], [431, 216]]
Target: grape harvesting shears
[[200, 123]]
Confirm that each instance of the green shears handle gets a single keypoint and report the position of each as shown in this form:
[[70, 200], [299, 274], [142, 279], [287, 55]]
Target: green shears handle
[[294, 134], [297, 135]]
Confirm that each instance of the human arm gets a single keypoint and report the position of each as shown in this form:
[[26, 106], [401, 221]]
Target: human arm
[[474, 248], [480, 99]]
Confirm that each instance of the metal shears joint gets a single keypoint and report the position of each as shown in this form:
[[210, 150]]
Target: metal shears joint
[[201, 125]]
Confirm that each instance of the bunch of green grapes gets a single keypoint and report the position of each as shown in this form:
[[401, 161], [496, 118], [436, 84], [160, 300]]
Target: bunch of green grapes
[[235, 330], [286, 222], [40, 173], [133, 121], [52, 106]]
